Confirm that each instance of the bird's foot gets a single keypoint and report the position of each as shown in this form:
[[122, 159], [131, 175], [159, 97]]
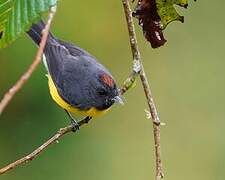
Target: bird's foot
[[75, 125]]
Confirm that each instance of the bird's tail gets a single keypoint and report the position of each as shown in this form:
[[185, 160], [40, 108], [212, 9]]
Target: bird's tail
[[35, 32]]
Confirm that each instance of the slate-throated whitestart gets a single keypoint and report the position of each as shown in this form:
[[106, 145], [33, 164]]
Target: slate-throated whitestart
[[77, 81]]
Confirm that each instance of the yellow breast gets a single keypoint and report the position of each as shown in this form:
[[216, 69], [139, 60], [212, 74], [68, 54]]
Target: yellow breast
[[75, 111]]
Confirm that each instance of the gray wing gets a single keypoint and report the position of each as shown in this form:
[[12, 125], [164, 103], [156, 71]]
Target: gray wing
[[73, 49], [70, 69], [55, 55], [77, 79]]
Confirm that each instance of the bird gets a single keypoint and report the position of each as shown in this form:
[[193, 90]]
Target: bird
[[77, 82]]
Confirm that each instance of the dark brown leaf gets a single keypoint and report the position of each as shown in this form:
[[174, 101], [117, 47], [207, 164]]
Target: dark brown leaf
[[147, 15]]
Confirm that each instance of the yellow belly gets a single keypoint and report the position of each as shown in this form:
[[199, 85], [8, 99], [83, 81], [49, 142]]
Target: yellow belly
[[75, 111]]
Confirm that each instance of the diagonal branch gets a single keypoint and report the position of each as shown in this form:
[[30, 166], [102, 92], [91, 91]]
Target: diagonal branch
[[62, 131], [23, 79], [36, 152], [146, 87], [137, 69]]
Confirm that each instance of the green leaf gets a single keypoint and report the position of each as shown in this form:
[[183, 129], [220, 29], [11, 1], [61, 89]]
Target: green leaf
[[167, 11], [16, 16]]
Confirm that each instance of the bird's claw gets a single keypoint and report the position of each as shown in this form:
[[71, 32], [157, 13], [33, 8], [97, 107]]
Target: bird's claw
[[75, 126]]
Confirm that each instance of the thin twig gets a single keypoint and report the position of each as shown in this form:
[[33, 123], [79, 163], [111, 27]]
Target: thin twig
[[19, 84], [137, 68], [31, 156], [145, 84]]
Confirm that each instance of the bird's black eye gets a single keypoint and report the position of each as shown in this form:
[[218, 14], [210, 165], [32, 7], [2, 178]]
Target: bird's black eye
[[102, 92]]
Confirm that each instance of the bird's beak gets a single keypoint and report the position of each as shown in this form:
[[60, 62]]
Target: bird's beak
[[118, 99]]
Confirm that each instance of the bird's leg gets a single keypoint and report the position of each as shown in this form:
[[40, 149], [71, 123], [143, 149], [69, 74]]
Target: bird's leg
[[74, 123]]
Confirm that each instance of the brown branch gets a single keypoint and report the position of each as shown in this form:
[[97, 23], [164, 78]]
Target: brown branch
[[62, 131], [129, 82], [19, 84], [146, 87], [53, 139], [137, 69]]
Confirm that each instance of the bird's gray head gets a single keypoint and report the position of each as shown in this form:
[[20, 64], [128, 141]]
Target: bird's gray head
[[106, 92]]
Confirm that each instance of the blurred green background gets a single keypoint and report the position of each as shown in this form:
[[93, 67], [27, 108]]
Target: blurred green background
[[187, 78]]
